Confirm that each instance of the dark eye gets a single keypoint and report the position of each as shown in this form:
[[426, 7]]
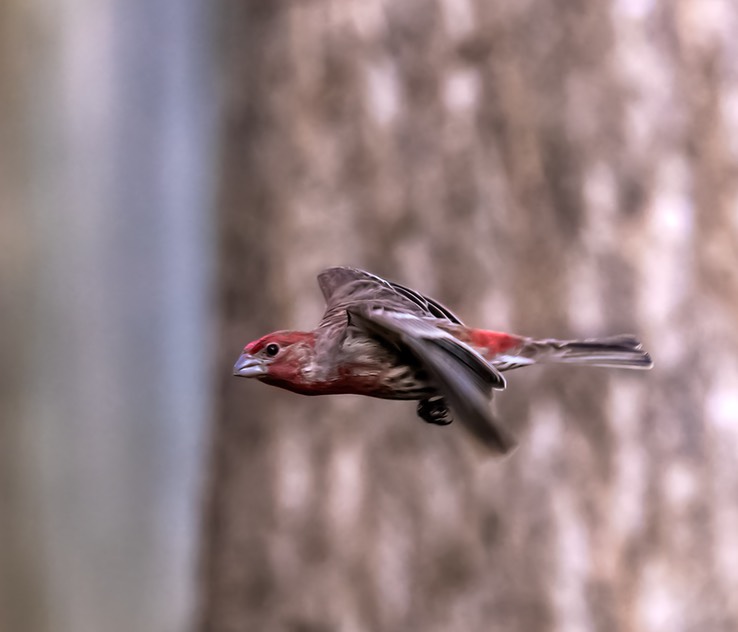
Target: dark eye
[[272, 349]]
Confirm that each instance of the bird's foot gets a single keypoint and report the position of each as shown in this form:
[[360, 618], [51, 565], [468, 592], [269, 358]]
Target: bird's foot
[[435, 411]]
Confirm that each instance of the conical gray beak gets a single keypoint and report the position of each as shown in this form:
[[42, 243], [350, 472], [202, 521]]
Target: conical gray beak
[[249, 366]]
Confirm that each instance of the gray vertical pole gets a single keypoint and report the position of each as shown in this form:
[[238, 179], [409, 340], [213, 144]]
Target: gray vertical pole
[[115, 363]]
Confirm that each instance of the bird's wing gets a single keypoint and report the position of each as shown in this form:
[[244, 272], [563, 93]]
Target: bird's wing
[[463, 376], [343, 287]]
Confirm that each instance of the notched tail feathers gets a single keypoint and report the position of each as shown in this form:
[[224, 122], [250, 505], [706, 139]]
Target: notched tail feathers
[[623, 351]]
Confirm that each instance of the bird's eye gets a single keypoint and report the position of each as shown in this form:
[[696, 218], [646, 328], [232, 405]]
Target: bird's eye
[[272, 349]]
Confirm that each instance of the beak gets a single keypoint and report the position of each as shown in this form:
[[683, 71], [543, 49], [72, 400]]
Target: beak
[[249, 366]]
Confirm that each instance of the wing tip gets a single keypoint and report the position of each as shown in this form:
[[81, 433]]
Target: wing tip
[[496, 441], [334, 277]]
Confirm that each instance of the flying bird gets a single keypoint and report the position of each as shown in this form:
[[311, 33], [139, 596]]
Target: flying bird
[[381, 339]]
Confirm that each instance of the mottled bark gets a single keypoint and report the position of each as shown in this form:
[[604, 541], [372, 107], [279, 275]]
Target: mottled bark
[[555, 170]]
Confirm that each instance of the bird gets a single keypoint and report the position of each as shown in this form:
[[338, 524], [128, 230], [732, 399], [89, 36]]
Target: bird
[[381, 339]]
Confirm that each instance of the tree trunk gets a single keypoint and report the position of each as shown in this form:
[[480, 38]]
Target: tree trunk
[[553, 170]]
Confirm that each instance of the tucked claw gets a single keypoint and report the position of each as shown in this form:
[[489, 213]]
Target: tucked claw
[[434, 410]]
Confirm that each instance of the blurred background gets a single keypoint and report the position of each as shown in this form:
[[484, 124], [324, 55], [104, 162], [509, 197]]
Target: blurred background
[[173, 175]]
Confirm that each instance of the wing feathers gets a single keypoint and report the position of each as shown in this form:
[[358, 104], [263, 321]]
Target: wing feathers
[[341, 285], [462, 375]]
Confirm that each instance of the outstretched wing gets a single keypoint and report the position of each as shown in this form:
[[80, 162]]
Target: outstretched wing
[[343, 287], [464, 378]]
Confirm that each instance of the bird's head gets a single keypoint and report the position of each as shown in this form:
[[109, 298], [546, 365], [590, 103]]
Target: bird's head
[[277, 358]]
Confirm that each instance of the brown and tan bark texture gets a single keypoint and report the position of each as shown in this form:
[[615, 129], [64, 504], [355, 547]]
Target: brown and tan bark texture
[[562, 169]]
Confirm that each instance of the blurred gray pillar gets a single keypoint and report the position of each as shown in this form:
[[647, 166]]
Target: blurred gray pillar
[[106, 237]]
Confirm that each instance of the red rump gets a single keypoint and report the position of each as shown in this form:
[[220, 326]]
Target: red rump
[[495, 342]]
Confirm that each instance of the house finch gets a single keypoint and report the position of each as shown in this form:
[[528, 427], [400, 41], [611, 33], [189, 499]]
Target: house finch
[[381, 339]]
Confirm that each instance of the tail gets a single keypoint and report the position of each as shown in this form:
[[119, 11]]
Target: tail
[[622, 352]]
